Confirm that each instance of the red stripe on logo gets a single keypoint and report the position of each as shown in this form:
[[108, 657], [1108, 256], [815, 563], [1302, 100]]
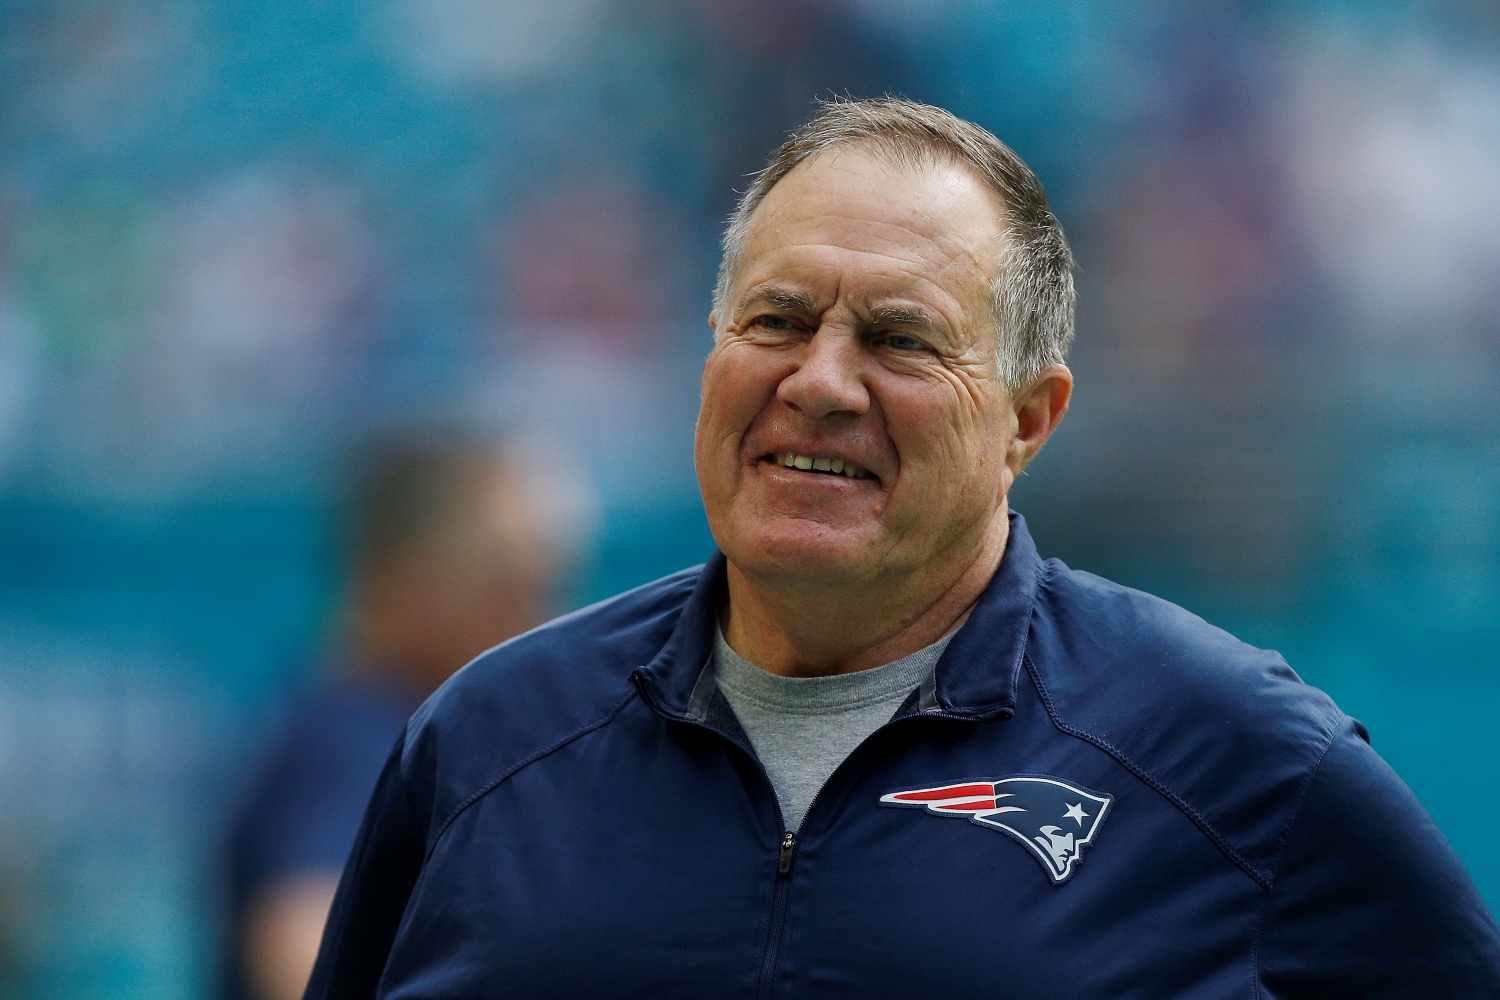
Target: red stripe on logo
[[973, 805], [946, 792]]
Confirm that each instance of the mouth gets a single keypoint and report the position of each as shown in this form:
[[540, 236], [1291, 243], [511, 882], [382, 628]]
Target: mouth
[[826, 466]]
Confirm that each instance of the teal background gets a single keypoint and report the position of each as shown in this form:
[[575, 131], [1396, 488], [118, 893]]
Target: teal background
[[237, 239]]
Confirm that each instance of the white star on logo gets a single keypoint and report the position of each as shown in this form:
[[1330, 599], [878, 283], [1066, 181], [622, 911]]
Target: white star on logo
[[1076, 813]]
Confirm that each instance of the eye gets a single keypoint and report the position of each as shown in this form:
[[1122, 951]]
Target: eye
[[902, 342], [773, 322]]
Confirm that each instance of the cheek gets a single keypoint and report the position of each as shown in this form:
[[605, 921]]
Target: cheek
[[952, 439], [737, 385]]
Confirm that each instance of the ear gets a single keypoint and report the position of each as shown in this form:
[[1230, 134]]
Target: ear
[[713, 321], [1039, 408]]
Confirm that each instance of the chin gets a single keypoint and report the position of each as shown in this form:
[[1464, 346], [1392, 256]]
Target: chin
[[801, 550]]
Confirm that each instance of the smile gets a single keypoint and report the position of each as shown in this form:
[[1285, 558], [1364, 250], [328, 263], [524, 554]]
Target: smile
[[832, 466]]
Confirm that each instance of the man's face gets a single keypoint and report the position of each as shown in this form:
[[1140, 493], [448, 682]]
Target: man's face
[[858, 335]]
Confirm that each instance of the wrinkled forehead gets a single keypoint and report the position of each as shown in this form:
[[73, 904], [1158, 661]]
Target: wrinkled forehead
[[868, 214]]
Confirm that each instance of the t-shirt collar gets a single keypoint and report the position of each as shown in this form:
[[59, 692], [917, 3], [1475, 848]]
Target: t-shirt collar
[[975, 678]]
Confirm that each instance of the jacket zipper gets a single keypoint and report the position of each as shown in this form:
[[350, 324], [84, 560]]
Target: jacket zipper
[[784, 858], [788, 851], [784, 874], [788, 855], [778, 914]]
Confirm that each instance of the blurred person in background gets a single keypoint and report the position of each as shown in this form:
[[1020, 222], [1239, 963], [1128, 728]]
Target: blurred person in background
[[458, 545]]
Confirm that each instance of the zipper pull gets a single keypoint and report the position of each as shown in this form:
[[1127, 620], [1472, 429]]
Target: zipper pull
[[784, 863]]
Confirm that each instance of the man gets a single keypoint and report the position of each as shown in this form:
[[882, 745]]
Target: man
[[877, 747], [457, 545]]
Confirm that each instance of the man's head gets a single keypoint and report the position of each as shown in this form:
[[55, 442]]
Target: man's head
[[459, 544], [895, 296], [1031, 288]]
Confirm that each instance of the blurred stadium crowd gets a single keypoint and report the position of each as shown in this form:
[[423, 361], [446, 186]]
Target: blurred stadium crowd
[[238, 241]]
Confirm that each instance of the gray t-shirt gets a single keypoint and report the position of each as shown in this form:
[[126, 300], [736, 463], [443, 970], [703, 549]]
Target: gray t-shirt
[[802, 728]]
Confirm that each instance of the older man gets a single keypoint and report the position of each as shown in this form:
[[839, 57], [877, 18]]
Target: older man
[[877, 747]]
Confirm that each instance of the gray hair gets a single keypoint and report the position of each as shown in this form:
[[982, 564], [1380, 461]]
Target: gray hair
[[1031, 295]]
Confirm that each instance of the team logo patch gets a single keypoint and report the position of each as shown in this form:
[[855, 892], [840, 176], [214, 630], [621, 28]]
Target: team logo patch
[[1051, 818]]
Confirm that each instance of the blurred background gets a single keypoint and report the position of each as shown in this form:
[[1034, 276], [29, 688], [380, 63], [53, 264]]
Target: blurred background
[[239, 241]]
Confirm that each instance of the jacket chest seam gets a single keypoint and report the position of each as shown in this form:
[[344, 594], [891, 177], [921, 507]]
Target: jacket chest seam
[[524, 762]]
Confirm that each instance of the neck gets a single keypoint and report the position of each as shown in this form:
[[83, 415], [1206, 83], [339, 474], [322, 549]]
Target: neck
[[800, 629]]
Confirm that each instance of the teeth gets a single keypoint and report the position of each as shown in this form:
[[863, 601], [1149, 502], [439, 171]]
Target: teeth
[[837, 466]]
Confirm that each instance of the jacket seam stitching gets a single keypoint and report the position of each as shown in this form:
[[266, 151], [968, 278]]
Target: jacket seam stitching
[[1302, 794], [1286, 834], [1260, 878], [509, 772]]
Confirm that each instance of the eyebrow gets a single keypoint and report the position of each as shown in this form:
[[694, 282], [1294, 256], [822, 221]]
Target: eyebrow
[[781, 298], [786, 300], [900, 316]]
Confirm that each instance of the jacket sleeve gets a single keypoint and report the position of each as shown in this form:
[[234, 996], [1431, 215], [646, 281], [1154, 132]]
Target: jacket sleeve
[[378, 880], [1369, 899]]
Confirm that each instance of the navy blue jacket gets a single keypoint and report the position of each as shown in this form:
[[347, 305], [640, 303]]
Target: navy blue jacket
[[1099, 795]]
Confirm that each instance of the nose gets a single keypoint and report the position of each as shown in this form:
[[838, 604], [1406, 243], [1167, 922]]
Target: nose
[[827, 381]]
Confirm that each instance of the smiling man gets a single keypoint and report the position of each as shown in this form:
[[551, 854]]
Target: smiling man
[[856, 326], [877, 746]]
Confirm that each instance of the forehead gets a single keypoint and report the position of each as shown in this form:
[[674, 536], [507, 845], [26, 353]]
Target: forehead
[[874, 224]]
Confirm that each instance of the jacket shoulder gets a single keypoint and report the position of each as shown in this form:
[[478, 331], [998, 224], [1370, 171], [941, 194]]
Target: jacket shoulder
[[573, 655], [1227, 731], [536, 692]]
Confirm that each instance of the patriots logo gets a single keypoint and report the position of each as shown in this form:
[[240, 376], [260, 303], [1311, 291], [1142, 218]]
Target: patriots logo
[[1051, 818]]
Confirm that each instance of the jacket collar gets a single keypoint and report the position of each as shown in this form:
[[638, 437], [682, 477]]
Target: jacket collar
[[975, 678]]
